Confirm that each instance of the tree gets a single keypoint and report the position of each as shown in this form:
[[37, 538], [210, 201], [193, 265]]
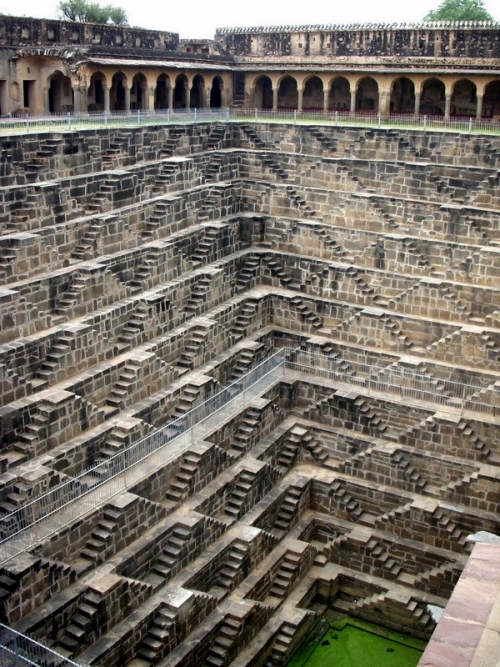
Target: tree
[[91, 12], [459, 10]]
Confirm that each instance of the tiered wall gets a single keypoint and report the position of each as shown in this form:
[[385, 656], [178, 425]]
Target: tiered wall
[[176, 265]]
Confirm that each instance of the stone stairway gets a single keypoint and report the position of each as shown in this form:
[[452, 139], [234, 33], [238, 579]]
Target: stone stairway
[[299, 202], [87, 246], [123, 387], [338, 252], [270, 163], [53, 368], [288, 511], [286, 575], [210, 207], [165, 178], [212, 171], [206, 250], [247, 275], [193, 348], [41, 161], [97, 548], [216, 137], [290, 449], [82, 624], [350, 505], [144, 270], [248, 428], [233, 569], [170, 145], [225, 641], [128, 336], [244, 319], [156, 219], [102, 201], [368, 417], [72, 296], [161, 633], [198, 297], [118, 147], [307, 315], [186, 401], [243, 363], [439, 580], [276, 269], [175, 549], [327, 143], [185, 478], [235, 503]]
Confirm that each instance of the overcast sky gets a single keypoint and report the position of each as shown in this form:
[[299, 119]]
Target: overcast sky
[[199, 18]]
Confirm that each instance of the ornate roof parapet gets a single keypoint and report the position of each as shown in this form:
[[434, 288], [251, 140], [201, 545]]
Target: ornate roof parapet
[[332, 27]]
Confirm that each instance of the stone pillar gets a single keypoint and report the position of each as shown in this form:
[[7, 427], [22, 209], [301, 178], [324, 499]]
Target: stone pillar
[[79, 99], [127, 99], [106, 97], [170, 97], [417, 104], [187, 94], [300, 94], [208, 92], [383, 102], [275, 99], [46, 101], [479, 107], [447, 106], [326, 95], [353, 101]]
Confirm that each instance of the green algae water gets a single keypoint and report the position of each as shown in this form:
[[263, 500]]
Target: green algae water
[[350, 642]]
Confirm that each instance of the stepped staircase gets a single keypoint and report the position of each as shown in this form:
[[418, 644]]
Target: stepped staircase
[[235, 503], [175, 549], [171, 144], [206, 250], [48, 148], [346, 501], [130, 332], [326, 142], [246, 276], [289, 449], [212, 171], [225, 641], [271, 164], [194, 347], [53, 367], [161, 633], [216, 137], [234, 567], [299, 201], [286, 575], [122, 388], [164, 178], [156, 220], [186, 401], [246, 315], [288, 513], [198, 297], [185, 478], [338, 252], [210, 207], [306, 314], [83, 623], [73, 295], [144, 270], [248, 428], [97, 548], [102, 201], [86, 247], [117, 147]]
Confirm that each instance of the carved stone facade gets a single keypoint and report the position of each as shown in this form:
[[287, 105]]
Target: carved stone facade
[[432, 69]]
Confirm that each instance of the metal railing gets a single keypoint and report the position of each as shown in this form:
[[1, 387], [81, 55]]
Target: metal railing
[[17, 650], [398, 382], [102, 480], [86, 120]]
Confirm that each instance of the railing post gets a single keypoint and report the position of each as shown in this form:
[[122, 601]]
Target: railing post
[[295, 116], [470, 125], [168, 115], [336, 118], [138, 116], [228, 114], [106, 118], [425, 122], [195, 114], [379, 119], [255, 113], [69, 120], [27, 123]]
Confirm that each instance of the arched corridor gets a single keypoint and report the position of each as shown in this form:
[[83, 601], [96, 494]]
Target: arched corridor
[[288, 96], [60, 93], [162, 92], [491, 100], [339, 95], [433, 98], [312, 99], [216, 93], [464, 98], [138, 94], [197, 93], [263, 93], [367, 95], [96, 94], [402, 96], [181, 92], [119, 92]]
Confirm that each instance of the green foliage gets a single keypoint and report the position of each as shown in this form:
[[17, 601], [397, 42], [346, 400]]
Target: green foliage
[[459, 10], [91, 12]]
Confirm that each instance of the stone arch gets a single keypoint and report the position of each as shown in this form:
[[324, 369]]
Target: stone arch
[[216, 93], [161, 91], [367, 94], [181, 91], [263, 93], [288, 93], [60, 92], [339, 94], [491, 100], [197, 93], [433, 98], [95, 93], [117, 93], [463, 98], [312, 95], [402, 96], [139, 92]]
